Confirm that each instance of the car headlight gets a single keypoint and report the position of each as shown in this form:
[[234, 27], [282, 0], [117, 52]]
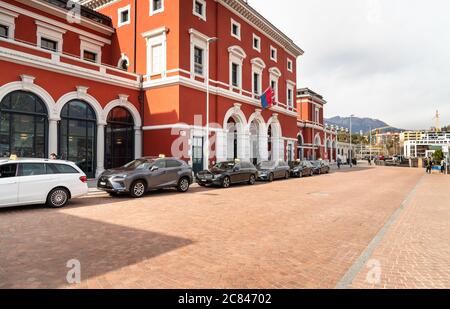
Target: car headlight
[[120, 177]]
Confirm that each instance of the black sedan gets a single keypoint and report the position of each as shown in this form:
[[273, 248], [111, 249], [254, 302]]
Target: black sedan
[[225, 174], [320, 167], [301, 168], [270, 170]]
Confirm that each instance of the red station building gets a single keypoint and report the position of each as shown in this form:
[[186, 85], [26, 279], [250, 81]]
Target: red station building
[[108, 81]]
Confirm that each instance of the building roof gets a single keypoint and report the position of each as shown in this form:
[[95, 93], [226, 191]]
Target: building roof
[[85, 11], [242, 8]]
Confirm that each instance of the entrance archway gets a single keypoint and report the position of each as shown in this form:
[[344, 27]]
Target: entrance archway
[[77, 135], [119, 138], [232, 139], [235, 143], [23, 125], [276, 145], [317, 147]]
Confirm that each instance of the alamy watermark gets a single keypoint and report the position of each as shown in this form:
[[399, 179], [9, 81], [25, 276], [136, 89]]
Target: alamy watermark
[[74, 274], [375, 271]]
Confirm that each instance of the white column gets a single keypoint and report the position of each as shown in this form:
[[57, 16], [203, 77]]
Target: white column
[[221, 146], [52, 136], [100, 149], [137, 142], [263, 147]]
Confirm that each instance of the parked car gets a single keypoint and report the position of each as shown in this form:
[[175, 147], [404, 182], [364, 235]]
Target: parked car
[[225, 174], [271, 170], [40, 181], [320, 167], [142, 175], [301, 168]]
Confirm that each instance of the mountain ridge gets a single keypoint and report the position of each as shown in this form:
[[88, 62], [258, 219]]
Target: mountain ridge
[[360, 124]]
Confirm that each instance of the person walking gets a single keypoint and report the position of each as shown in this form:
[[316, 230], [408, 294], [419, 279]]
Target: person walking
[[369, 159], [53, 156], [339, 162], [428, 165], [442, 166]]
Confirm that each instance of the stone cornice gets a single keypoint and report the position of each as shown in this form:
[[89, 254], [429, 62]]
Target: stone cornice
[[249, 14]]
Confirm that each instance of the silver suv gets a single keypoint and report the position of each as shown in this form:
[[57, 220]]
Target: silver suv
[[145, 174]]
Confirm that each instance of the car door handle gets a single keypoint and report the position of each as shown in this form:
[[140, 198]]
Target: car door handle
[[10, 182]]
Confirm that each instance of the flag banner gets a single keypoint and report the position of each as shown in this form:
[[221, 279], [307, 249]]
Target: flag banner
[[268, 98]]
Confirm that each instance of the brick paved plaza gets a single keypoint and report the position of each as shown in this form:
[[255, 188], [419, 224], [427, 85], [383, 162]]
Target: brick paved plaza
[[302, 233]]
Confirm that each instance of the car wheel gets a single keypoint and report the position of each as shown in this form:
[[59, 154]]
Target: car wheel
[[286, 176], [138, 189], [300, 174], [58, 198], [183, 185], [252, 180], [226, 182], [311, 173], [270, 177]]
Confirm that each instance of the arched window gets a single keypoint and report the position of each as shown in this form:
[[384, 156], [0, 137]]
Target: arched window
[[119, 138], [77, 135], [23, 125]]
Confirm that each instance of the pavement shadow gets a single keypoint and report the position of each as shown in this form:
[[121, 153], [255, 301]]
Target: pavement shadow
[[35, 251]]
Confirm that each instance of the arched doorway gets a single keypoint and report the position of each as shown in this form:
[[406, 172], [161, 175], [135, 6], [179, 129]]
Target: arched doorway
[[255, 129], [232, 139], [275, 144], [300, 149], [23, 125], [77, 135], [119, 139], [317, 147]]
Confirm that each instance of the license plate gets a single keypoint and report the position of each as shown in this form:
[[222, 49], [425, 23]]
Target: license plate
[[103, 183]]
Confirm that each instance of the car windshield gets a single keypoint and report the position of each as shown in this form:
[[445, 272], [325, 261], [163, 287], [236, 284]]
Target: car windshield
[[140, 164], [315, 163], [225, 166], [266, 165]]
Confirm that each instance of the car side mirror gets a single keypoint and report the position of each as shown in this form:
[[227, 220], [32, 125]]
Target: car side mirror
[[154, 169], [236, 169]]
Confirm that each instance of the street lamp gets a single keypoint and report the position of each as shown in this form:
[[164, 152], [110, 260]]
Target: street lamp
[[351, 148], [208, 42]]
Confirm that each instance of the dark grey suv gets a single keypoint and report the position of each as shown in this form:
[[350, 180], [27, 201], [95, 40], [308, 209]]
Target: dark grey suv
[[142, 175]]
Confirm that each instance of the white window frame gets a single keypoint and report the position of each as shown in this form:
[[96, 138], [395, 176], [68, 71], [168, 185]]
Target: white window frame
[[316, 114], [203, 60], [198, 40], [154, 38], [8, 19], [121, 23], [275, 75], [235, 23], [290, 65], [237, 56], [258, 67], [152, 9], [201, 16], [273, 49], [290, 85], [92, 46], [50, 32], [255, 37]]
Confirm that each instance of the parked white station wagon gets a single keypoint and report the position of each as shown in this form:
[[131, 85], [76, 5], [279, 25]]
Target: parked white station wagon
[[40, 181]]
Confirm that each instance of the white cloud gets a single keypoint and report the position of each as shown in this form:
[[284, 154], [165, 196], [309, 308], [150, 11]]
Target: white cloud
[[386, 59]]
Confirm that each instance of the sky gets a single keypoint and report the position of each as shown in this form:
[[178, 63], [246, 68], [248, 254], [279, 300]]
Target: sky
[[383, 59]]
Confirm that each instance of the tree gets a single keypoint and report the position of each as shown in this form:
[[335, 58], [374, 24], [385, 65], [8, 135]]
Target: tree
[[438, 156]]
